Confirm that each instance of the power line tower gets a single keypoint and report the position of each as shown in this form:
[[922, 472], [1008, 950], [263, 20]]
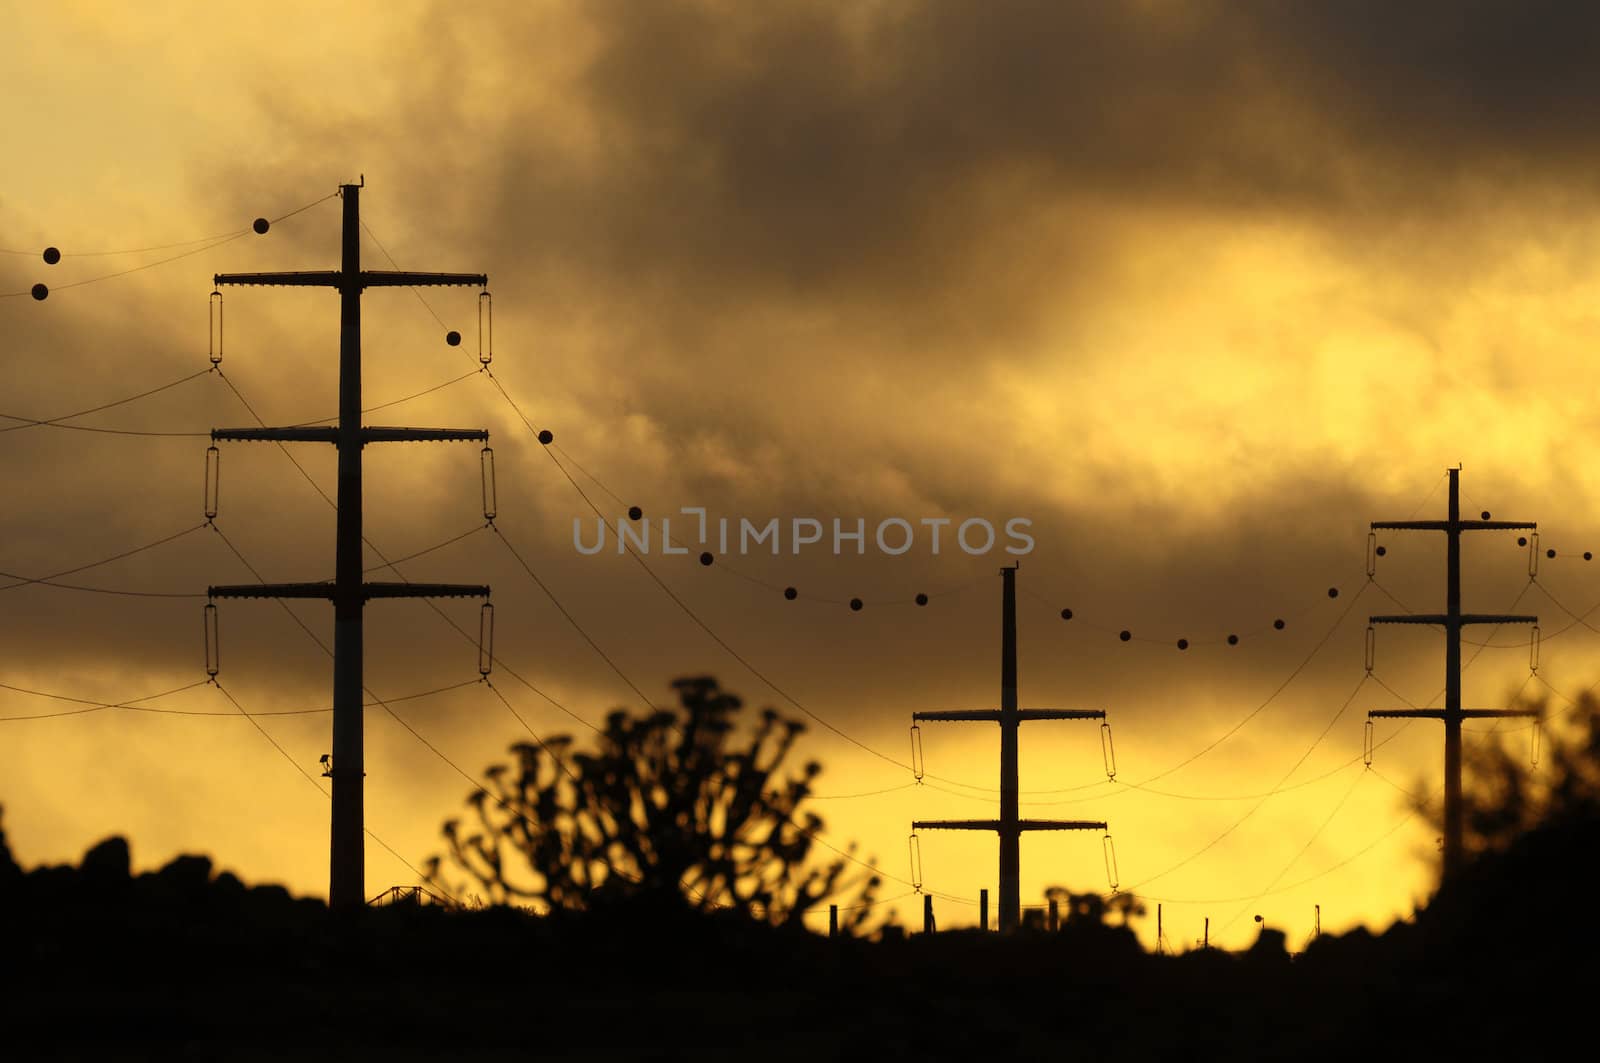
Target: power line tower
[[349, 594], [1452, 619], [1008, 716]]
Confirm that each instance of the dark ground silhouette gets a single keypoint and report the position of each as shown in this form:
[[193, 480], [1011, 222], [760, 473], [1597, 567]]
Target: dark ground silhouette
[[187, 963]]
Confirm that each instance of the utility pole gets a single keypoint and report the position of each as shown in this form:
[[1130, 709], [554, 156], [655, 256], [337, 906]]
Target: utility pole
[[1452, 619], [1009, 826], [349, 594]]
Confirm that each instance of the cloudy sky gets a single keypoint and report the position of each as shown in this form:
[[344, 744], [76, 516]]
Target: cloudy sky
[[1199, 289]]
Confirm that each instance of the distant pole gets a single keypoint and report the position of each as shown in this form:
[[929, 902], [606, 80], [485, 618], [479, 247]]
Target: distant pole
[[983, 908], [927, 913], [1009, 827], [833, 920], [1316, 926], [1206, 941], [1159, 934], [1452, 620], [1010, 837], [1055, 915]]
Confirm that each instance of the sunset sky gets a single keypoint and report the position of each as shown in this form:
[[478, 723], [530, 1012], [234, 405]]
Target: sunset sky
[[1201, 289]]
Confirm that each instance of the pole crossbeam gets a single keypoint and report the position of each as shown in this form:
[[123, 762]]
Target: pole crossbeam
[[367, 435], [1446, 619], [994, 715], [1009, 826], [367, 278], [1440, 714], [348, 592], [994, 824], [1454, 525], [1453, 620]]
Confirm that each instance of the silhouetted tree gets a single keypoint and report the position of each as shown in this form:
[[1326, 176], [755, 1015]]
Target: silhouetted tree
[[670, 804], [1504, 795], [9, 871]]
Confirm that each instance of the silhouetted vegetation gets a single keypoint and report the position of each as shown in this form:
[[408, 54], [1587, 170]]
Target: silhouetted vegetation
[[189, 962], [1504, 795], [669, 804]]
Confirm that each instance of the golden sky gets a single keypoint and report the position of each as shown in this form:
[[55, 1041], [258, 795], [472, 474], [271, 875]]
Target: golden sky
[[1201, 289]]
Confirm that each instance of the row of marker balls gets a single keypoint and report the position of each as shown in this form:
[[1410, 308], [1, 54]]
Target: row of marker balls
[[706, 558], [1522, 540], [1233, 640], [52, 255]]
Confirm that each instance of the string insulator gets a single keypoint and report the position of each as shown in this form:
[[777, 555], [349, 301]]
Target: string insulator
[[486, 639], [916, 862], [213, 652], [1111, 860], [486, 464], [485, 328], [213, 480], [1366, 745], [918, 766], [1372, 647], [1108, 751], [1533, 649], [1533, 555], [1372, 554], [216, 328], [1533, 753]]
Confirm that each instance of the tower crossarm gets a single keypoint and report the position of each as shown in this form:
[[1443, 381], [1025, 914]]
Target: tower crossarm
[[279, 435], [272, 590], [424, 590], [379, 278], [424, 435], [993, 715], [1456, 525], [1463, 619], [1439, 714], [955, 824], [313, 278], [1060, 824]]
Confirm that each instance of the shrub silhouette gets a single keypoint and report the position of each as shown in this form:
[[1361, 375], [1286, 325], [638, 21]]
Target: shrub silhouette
[[671, 805], [1504, 796]]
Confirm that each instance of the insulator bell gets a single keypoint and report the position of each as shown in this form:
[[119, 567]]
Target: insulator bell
[[216, 328]]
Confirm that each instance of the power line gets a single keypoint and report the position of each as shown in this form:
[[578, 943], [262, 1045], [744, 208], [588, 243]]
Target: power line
[[56, 421], [105, 560], [40, 291]]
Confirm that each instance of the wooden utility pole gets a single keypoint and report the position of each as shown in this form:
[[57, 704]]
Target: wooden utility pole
[[349, 594], [1452, 619], [1009, 826]]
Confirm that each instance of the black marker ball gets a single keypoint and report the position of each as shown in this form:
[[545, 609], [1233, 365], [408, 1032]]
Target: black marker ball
[[790, 593], [922, 599], [40, 292], [1278, 624], [1522, 540], [1587, 556], [1183, 644], [1125, 636], [261, 225], [1333, 592], [1380, 551], [1233, 640], [453, 338], [855, 604], [1549, 553], [1066, 614], [546, 436], [634, 512], [52, 255], [705, 557], [1486, 514]]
